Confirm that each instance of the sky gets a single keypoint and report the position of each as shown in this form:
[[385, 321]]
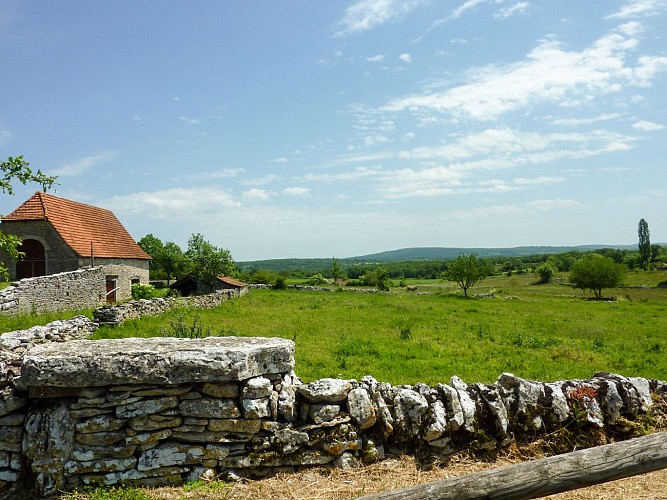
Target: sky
[[342, 128]]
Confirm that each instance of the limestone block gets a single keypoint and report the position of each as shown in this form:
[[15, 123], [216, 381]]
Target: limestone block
[[330, 390], [146, 407], [438, 422], [100, 423], [149, 437], [644, 390], [163, 391], [104, 465], [101, 438], [258, 387], [256, 408], [410, 408], [453, 407], [91, 453], [170, 454], [495, 404], [222, 391], [361, 408], [216, 451], [211, 437], [235, 425], [209, 408], [10, 402], [162, 361], [149, 423], [289, 440], [287, 406], [385, 417], [323, 413], [164, 475]]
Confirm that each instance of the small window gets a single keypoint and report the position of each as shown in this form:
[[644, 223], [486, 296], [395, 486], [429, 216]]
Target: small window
[[135, 281]]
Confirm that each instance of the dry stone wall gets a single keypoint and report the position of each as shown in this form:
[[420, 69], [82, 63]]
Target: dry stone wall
[[165, 410]]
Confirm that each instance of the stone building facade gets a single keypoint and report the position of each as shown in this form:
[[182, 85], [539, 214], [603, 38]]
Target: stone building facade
[[61, 236]]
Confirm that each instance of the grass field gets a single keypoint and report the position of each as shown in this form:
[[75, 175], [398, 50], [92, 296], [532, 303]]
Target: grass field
[[544, 332]]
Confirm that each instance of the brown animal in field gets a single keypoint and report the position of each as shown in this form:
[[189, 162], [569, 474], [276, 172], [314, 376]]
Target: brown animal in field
[[411, 288]]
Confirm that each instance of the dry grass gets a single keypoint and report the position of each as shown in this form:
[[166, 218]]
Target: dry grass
[[391, 474]]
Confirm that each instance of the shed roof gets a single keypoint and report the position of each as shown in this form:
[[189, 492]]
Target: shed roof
[[231, 281], [81, 225]]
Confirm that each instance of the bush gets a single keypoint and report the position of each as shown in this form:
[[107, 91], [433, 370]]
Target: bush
[[316, 280], [546, 273], [140, 291]]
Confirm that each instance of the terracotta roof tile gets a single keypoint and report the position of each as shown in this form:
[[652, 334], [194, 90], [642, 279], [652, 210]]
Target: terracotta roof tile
[[231, 281], [80, 225]]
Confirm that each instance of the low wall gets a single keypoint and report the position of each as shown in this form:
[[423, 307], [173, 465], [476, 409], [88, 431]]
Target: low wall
[[74, 290], [166, 410]]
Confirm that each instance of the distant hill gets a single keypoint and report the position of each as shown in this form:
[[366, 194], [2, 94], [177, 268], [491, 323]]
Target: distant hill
[[418, 253]]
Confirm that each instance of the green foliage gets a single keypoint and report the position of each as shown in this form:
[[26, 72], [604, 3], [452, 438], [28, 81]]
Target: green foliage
[[179, 328], [317, 280], [545, 272], [466, 270], [595, 272], [207, 261], [644, 244], [140, 291], [168, 260], [336, 270], [280, 283], [382, 278], [17, 169]]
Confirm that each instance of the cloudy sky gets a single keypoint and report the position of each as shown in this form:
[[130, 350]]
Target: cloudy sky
[[320, 129]]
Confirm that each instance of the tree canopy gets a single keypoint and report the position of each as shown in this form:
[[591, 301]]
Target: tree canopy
[[644, 244], [595, 272], [466, 270]]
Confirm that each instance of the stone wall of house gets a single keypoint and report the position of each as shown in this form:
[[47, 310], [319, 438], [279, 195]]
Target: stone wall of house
[[126, 272], [166, 410], [59, 256], [81, 289]]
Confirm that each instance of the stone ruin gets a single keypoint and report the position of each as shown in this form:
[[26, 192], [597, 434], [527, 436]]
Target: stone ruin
[[162, 411]]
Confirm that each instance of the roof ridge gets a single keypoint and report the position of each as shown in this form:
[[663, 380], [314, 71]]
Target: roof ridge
[[41, 201]]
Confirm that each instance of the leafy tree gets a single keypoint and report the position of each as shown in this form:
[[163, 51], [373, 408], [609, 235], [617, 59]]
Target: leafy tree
[[595, 272], [17, 169], [336, 270], [466, 270], [172, 260], [153, 246], [207, 261], [546, 272], [382, 279], [644, 243]]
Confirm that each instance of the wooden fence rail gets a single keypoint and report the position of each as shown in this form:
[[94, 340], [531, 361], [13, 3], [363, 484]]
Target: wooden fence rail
[[550, 475]]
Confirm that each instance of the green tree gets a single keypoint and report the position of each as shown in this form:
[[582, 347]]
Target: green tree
[[153, 246], [595, 272], [466, 270], [17, 169], [546, 272], [644, 244], [382, 279], [336, 270], [206, 261], [172, 260]]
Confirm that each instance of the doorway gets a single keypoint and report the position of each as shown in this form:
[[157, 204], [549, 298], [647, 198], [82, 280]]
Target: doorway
[[34, 262]]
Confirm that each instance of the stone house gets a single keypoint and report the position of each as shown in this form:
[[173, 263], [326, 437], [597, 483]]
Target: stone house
[[60, 235]]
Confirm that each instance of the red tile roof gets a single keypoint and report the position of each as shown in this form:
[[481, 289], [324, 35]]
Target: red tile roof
[[80, 225], [231, 281]]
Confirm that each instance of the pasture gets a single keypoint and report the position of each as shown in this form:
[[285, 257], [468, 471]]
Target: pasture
[[544, 332]]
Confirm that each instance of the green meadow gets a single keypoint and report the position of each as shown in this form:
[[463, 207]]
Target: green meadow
[[545, 332]]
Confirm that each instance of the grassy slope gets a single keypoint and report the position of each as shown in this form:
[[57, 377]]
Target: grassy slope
[[542, 332]]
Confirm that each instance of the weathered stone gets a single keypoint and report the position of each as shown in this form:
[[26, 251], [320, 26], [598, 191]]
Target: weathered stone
[[149, 423], [289, 440], [163, 391], [163, 475], [613, 403], [211, 437], [256, 408], [163, 361], [495, 404], [272, 459], [643, 388], [453, 407], [558, 402], [101, 438], [330, 390], [104, 465], [13, 419], [10, 476], [323, 413], [90, 453], [209, 408], [216, 451], [221, 391], [287, 403], [148, 437], [10, 403], [360, 408], [195, 421], [5, 458], [11, 434], [258, 387], [190, 428], [91, 412], [146, 407], [385, 417], [409, 411], [235, 426], [346, 462], [101, 423], [170, 454], [438, 422]]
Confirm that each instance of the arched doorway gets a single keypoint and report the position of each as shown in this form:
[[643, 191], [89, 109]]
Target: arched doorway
[[34, 261]]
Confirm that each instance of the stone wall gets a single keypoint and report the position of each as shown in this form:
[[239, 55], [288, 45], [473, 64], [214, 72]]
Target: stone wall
[[125, 271], [74, 290], [165, 410]]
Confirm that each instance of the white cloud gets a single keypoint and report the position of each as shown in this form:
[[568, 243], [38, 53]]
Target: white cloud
[[255, 194], [518, 8], [376, 59], [282, 159], [82, 165], [585, 121], [358, 173], [372, 140], [258, 181], [365, 15], [215, 174], [296, 191], [406, 58], [190, 121], [171, 203], [648, 126], [549, 73], [537, 180], [639, 8]]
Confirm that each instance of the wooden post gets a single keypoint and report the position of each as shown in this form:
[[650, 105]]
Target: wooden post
[[550, 475], [92, 255]]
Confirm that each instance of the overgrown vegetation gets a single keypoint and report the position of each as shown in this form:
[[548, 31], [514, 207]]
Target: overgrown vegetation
[[544, 332]]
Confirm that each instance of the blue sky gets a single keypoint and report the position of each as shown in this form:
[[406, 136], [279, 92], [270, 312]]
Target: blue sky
[[320, 129]]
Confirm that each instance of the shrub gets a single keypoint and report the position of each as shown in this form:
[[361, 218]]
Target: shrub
[[140, 291], [545, 272]]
